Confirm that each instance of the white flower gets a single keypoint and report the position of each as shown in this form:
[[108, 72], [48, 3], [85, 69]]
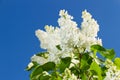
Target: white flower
[[30, 65], [49, 39], [113, 73], [73, 62], [86, 15], [39, 60], [89, 29], [89, 26], [42, 37], [64, 14], [68, 36], [45, 73], [68, 31], [54, 57], [69, 76]]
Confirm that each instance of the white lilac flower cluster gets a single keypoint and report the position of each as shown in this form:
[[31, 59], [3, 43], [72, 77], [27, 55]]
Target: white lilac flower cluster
[[63, 41], [68, 36], [113, 73], [68, 76]]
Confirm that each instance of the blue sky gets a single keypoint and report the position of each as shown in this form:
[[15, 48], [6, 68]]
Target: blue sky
[[20, 18]]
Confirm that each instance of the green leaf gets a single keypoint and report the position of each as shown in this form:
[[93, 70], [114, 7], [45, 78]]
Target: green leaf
[[84, 76], [96, 70], [44, 77], [40, 68], [66, 59], [75, 70], [36, 72], [58, 47], [65, 63], [55, 78], [117, 62], [48, 66], [107, 53], [86, 60], [97, 48], [104, 70]]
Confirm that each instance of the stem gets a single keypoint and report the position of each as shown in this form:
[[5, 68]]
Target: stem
[[90, 77], [79, 65], [80, 57], [76, 67], [55, 70]]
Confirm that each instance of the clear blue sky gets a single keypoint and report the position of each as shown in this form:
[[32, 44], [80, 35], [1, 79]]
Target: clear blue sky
[[20, 18]]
